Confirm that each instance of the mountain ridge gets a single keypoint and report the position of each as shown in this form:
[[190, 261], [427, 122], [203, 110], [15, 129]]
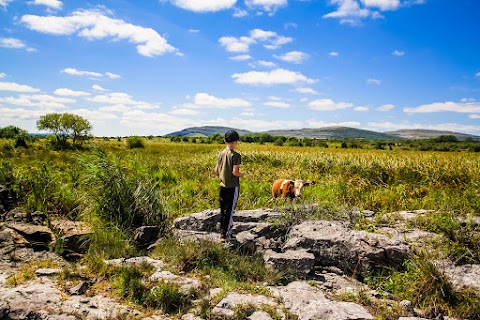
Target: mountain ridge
[[333, 132]]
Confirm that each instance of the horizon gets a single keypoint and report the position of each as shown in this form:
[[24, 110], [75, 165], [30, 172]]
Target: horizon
[[153, 68]]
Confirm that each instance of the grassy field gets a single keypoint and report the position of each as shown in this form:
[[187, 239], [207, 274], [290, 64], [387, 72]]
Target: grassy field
[[377, 180], [117, 188]]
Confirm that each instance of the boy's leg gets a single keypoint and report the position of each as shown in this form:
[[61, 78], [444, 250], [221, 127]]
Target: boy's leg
[[231, 198], [223, 209]]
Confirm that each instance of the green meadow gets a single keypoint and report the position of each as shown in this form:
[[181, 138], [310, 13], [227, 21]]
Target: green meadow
[[367, 179], [117, 185]]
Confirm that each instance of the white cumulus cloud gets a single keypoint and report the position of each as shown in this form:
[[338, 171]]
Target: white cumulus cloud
[[94, 25], [115, 108], [4, 3], [361, 109], [305, 90], [266, 5], [276, 104], [12, 86], [270, 40], [385, 108], [41, 101], [328, 105], [203, 5], [75, 72], [398, 53], [184, 112], [383, 5], [70, 93], [122, 98], [277, 76], [353, 11], [242, 57], [204, 100], [81, 73], [96, 87], [55, 4], [13, 43], [296, 57], [232, 44], [449, 106], [112, 75]]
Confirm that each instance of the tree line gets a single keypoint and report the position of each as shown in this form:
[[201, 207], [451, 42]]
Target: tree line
[[70, 131]]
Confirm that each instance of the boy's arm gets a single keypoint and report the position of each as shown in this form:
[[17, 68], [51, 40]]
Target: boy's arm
[[217, 169], [236, 171]]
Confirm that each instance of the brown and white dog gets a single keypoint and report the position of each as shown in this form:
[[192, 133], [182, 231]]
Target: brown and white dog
[[289, 188]]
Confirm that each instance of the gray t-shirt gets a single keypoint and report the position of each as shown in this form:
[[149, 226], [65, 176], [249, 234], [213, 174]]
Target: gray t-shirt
[[226, 160]]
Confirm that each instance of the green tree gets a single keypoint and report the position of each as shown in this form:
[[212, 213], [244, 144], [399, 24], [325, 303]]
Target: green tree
[[11, 132], [63, 125], [21, 136]]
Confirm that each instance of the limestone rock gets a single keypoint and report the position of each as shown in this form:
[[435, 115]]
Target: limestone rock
[[186, 284], [463, 276], [146, 235], [193, 235], [39, 237], [201, 221], [301, 261], [260, 315], [310, 303], [225, 308], [73, 234], [353, 251], [137, 261]]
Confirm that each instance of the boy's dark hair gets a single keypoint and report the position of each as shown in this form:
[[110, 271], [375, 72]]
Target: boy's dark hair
[[231, 136]]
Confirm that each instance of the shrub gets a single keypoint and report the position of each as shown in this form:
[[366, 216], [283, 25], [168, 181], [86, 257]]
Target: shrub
[[169, 298], [121, 197], [224, 265], [166, 175], [135, 142], [278, 142], [129, 284]]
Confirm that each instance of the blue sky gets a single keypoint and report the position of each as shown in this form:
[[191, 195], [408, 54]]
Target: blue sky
[[157, 66]]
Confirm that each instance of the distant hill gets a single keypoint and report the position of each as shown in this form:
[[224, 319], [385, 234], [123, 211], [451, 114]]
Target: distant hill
[[333, 133], [206, 131], [329, 133], [412, 134]]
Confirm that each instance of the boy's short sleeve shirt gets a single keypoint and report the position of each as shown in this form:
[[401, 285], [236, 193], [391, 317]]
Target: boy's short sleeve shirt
[[226, 160]]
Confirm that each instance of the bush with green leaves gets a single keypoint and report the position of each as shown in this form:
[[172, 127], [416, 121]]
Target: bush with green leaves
[[223, 266], [121, 196], [135, 142], [429, 289], [130, 284]]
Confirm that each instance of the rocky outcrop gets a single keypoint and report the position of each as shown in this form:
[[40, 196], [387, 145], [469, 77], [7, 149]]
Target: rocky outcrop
[[461, 276], [39, 237], [310, 303], [309, 245], [322, 255], [41, 299], [353, 251], [73, 237]]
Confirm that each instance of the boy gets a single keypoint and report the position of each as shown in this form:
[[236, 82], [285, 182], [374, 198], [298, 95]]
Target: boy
[[228, 170]]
